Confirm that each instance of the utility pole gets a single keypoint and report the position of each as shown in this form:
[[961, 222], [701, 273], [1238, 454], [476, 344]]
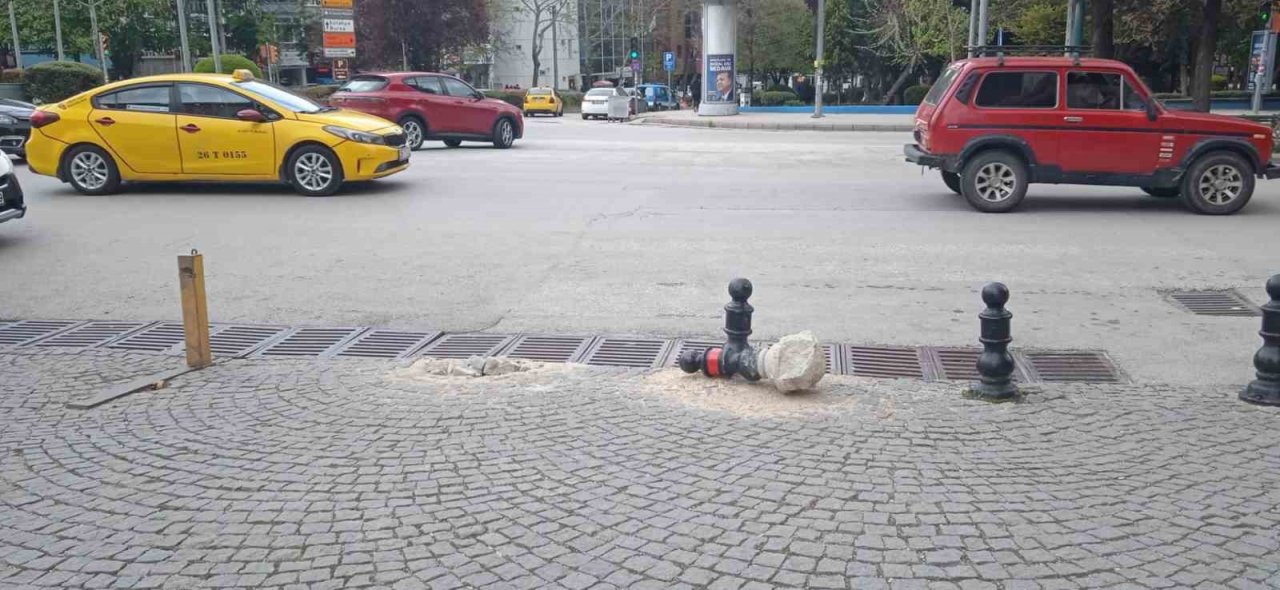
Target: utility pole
[[982, 23], [817, 62], [57, 29], [97, 39], [13, 28], [555, 47], [213, 36], [973, 27], [182, 35]]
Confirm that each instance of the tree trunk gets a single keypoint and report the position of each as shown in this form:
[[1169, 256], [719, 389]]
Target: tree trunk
[[902, 79], [535, 48], [1103, 38], [1206, 43]]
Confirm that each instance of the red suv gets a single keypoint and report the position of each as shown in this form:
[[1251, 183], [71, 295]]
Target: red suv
[[995, 125], [432, 106]]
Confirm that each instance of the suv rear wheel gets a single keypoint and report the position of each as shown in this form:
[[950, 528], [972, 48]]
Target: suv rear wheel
[[952, 180], [1219, 183], [994, 181]]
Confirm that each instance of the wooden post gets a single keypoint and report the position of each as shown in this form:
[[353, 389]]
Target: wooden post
[[195, 315]]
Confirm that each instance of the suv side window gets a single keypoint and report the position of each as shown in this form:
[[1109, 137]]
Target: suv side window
[[427, 84], [1101, 91], [457, 88], [146, 99], [1023, 90]]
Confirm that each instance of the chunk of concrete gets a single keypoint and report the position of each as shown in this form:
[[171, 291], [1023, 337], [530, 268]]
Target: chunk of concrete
[[795, 363]]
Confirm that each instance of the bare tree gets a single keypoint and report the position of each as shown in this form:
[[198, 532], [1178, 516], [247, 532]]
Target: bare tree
[[545, 15]]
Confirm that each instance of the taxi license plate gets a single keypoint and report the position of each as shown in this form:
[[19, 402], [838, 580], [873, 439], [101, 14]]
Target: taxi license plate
[[404, 153]]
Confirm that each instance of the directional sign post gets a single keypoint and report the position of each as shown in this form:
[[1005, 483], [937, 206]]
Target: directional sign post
[[339, 29], [668, 64]]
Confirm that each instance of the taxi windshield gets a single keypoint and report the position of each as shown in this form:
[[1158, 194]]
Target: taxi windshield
[[282, 97]]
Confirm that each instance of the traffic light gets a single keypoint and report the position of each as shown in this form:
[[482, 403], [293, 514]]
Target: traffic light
[[1265, 13], [635, 48]]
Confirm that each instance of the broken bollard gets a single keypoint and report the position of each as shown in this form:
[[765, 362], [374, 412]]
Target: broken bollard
[[796, 362], [1265, 390], [995, 364]]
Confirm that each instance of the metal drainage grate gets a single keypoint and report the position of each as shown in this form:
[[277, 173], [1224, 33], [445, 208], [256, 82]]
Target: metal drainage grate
[[386, 344], [681, 346], [1092, 367], [961, 364], [627, 352], [162, 337], [461, 346], [887, 362], [19, 333], [237, 341], [834, 363], [549, 349], [309, 342], [90, 334], [1215, 303]]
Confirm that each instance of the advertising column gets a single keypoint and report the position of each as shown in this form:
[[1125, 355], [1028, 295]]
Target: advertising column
[[719, 57]]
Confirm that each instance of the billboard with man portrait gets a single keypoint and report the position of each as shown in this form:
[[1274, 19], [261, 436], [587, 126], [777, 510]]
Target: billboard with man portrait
[[720, 79]]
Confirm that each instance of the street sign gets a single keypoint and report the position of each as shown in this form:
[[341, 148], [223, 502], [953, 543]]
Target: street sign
[[335, 4], [339, 25], [635, 65], [668, 61], [1261, 60], [339, 51]]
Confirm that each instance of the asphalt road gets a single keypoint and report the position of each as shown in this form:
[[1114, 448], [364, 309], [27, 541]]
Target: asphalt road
[[608, 228]]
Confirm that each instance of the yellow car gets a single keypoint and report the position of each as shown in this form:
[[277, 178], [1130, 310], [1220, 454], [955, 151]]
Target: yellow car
[[543, 100], [209, 127]]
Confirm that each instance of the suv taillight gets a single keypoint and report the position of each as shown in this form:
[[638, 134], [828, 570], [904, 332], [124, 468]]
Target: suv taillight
[[41, 118]]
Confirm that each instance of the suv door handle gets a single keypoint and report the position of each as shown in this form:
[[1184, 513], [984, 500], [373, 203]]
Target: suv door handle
[[105, 121], [190, 128], [1073, 119]]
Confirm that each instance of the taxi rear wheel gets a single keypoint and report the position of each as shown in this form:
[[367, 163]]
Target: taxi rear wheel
[[91, 171], [315, 171]]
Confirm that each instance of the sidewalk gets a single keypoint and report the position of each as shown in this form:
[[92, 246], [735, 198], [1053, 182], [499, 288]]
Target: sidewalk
[[781, 121], [805, 121], [365, 473]]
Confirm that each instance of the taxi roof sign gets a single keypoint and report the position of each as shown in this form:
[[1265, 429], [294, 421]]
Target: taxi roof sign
[[242, 76]]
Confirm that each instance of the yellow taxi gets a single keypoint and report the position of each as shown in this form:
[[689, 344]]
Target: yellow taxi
[[543, 100], [209, 127]]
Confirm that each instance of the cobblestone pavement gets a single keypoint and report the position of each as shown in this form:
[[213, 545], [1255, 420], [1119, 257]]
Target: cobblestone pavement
[[336, 474]]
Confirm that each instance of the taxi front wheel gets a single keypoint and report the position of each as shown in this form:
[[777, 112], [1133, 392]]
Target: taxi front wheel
[[315, 171], [91, 171]]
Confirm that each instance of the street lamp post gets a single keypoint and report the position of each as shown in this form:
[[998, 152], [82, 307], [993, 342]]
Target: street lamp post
[[213, 36], [182, 35], [97, 38], [817, 62], [13, 27], [57, 29]]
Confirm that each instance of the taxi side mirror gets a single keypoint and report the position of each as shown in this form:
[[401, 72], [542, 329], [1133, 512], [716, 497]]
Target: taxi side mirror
[[251, 115]]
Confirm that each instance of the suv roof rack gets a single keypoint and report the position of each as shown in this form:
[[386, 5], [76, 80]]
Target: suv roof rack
[[999, 51]]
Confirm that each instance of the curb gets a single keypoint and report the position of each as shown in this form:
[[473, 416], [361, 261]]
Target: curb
[[755, 126]]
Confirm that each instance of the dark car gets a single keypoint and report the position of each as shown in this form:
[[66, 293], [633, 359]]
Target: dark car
[[660, 97], [15, 126], [432, 106]]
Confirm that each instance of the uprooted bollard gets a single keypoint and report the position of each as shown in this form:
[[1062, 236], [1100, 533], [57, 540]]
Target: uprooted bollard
[[796, 362]]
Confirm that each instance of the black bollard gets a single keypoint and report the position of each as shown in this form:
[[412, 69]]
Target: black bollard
[[1265, 390], [736, 356], [995, 365]]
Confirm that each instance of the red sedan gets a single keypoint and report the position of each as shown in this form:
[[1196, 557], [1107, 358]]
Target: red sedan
[[432, 106]]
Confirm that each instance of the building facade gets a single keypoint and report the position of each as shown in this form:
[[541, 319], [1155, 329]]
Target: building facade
[[512, 53]]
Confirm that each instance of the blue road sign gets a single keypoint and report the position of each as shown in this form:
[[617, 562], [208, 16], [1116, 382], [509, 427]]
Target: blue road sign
[[635, 65], [668, 61]]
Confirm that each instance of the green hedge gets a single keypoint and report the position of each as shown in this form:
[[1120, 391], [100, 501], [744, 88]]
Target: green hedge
[[230, 63], [572, 100], [780, 88], [770, 98], [914, 94], [511, 97], [54, 81], [319, 93]]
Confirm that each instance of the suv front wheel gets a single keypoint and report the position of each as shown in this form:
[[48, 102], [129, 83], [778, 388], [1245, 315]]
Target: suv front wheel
[[1219, 183], [994, 181]]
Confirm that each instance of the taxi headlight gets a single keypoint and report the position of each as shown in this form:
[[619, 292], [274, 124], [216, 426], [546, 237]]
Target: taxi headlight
[[357, 136]]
